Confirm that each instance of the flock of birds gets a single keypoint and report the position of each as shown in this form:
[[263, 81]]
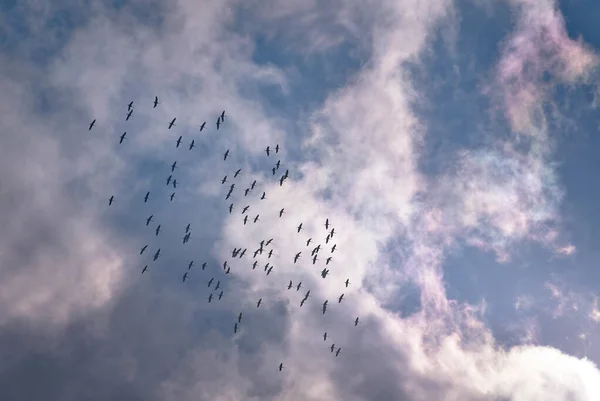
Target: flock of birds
[[239, 252]]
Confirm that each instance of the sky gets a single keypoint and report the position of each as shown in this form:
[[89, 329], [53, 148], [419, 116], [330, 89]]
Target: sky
[[451, 144]]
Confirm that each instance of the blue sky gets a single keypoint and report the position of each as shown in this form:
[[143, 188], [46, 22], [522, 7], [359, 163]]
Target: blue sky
[[452, 145]]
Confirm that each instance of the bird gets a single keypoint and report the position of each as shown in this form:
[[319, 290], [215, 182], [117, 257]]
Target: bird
[[324, 273], [308, 242], [270, 253], [340, 298], [188, 227], [327, 224], [269, 241], [237, 173], [172, 123], [325, 336], [255, 263], [226, 154], [268, 150], [149, 219], [297, 257], [157, 229], [300, 227], [174, 166], [185, 276], [190, 265], [143, 249], [290, 285], [277, 148], [269, 271], [210, 282], [122, 137], [147, 196], [235, 328], [203, 265], [263, 196], [245, 209], [156, 255], [210, 297], [328, 260], [156, 103], [324, 307], [245, 219], [169, 179], [224, 180], [253, 185], [218, 285], [130, 105], [258, 303], [243, 252], [338, 351], [202, 126], [144, 269], [280, 366], [347, 282], [175, 183], [172, 196], [278, 164], [218, 123], [302, 302], [299, 286], [129, 115], [192, 144], [327, 239], [246, 191], [240, 317], [333, 248], [281, 180], [332, 232], [281, 212], [332, 347], [314, 259], [178, 141], [356, 322], [256, 218], [228, 270], [111, 200], [91, 125], [223, 116]]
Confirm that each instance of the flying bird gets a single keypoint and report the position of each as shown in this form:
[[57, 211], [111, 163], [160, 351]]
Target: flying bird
[[328, 260], [281, 212], [231, 208], [147, 196], [149, 219], [290, 285], [277, 148], [297, 257], [300, 227], [172, 123], [258, 303], [156, 103], [169, 179], [174, 166], [203, 265], [226, 154], [157, 229], [268, 150], [210, 297], [185, 276], [245, 219], [237, 173], [224, 180], [91, 125], [245, 209], [281, 180], [302, 302], [327, 224], [270, 253], [235, 328], [347, 282], [308, 242], [327, 239], [324, 307], [332, 232], [256, 218], [255, 262], [129, 115], [111, 200], [280, 366], [172, 196], [273, 170], [218, 285], [263, 196], [338, 351], [324, 273], [122, 137], [340, 299], [144, 269], [278, 164], [332, 347], [325, 336], [228, 270], [269, 241], [356, 322], [218, 123], [187, 228], [175, 183], [223, 116], [130, 105], [253, 184], [299, 286], [315, 259], [240, 317], [190, 264], [192, 145], [333, 248], [210, 282], [202, 126], [178, 141], [243, 252], [143, 249], [270, 270], [246, 191], [156, 255]]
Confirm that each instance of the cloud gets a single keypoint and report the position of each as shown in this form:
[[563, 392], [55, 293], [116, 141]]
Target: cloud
[[360, 167]]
